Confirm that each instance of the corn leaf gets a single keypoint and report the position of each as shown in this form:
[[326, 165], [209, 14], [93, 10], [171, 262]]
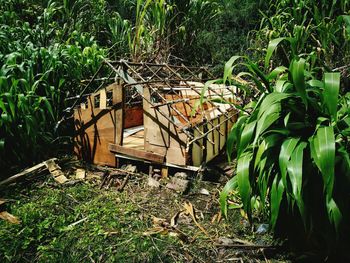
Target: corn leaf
[[246, 137], [331, 92], [298, 76], [243, 181], [228, 68], [271, 48], [295, 171], [277, 191], [226, 191], [323, 153], [287, 150], [334, 214], [277, 71]]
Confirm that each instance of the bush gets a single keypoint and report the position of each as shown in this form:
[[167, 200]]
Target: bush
[[293, 151]]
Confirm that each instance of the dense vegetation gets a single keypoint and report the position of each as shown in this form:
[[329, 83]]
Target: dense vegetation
[[292, 137]]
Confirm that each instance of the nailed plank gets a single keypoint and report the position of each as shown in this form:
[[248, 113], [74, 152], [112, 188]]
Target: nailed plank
[[118, 114], [153, 157], [95, 128], [26, 172], [56, 171], [80, 174]]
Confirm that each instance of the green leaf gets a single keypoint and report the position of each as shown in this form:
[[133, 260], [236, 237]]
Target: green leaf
[[334, 214], [228, 68], [2, 144], [243, 181], [331, 92], [323, 153], [295, 171], [246, 137], [286, 152], [48, 107], [277, 191], [267, 119], [203, 98], [271, 48], [226, 191], [269, 112], [298, 76], [277, 71]]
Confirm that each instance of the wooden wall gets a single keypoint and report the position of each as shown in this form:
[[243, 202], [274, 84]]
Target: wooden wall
[[97, 125]]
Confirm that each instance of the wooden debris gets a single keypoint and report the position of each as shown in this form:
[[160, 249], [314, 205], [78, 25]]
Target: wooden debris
[[110, 177], [2, 201], [126, 179], [178, 184], [153, 182], [56, 171], [189, 209], [80, 174], [35, 169], [239, 243], [164, 172], [204, 191], [181, 175], [9, 217]]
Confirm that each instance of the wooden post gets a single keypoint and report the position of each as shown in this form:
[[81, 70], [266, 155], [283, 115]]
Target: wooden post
[[164, 172]]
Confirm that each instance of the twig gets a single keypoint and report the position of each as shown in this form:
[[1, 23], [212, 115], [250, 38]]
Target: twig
[[243, 246], [126, 179], [78, 222], [156, 247]]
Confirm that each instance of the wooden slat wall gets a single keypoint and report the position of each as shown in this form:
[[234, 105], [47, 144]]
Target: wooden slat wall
[[96, 127], [161, 136]]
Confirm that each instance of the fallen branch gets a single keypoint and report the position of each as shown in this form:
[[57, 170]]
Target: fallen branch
[[245, 246]]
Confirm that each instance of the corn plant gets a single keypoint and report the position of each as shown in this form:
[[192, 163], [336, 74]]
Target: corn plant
[[319, 28], [292, 147]]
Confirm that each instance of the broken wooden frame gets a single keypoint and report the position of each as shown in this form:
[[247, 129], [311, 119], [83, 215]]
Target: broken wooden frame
[[150, 112]]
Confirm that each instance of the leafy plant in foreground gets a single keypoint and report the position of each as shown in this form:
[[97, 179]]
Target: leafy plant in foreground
[[293, 150]]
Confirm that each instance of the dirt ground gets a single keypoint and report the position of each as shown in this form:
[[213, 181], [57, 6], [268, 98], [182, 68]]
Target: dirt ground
[[83, 221]]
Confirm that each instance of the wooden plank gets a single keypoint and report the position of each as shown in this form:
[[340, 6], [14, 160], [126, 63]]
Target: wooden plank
[[103, 99], [164, 172], [197, 151], [223, 137], [210, 148], [133, 116], [119, 118], [153, 157], [176, 155], [216, 137], [95, 128], [26, 172]]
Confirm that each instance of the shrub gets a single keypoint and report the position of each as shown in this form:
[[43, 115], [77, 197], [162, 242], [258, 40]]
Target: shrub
[[293, 150]]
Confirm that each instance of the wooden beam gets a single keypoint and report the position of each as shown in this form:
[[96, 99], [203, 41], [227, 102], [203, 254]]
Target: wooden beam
[[153, 157], [36, 168]]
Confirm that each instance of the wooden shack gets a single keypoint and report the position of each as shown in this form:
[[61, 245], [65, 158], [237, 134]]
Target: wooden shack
[[156, 113]]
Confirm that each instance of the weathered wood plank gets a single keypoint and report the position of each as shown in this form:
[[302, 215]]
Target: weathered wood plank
[[26, 172], [153, 157]]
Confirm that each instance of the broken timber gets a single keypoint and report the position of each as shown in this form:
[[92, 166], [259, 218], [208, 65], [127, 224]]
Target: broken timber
[[150, 112], [50, 164]]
